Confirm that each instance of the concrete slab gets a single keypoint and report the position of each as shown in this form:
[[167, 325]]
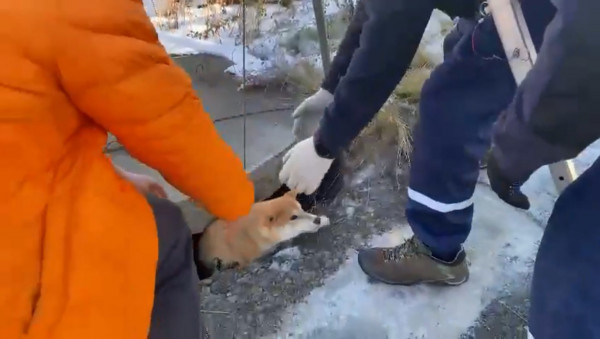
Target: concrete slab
[[219, 91], [266, 134], [122, 159]]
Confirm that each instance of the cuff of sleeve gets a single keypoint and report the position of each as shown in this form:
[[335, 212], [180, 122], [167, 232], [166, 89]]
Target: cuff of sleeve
[[321, 148], [330, 83], [519, 152]]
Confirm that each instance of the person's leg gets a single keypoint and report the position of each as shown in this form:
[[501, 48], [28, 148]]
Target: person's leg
[[565, 298], [460, 102], [176, 311]]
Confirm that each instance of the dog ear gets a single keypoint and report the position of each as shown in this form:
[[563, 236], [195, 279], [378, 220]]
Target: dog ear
[[292, 193]]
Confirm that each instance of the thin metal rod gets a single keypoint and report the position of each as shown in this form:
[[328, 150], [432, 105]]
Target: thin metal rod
[[249, 114], [244, 77], [322, 32]]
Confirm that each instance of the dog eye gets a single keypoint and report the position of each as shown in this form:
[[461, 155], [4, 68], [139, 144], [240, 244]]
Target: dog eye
[[294, 217], [271, 219]]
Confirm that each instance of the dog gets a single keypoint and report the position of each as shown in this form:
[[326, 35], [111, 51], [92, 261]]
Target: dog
[[235, 244]]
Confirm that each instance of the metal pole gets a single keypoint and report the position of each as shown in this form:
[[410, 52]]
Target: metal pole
[[244, 106], [521, 54], [322, 31]]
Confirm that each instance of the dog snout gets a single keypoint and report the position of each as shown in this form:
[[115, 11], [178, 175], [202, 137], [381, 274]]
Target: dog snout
[[317, 221]]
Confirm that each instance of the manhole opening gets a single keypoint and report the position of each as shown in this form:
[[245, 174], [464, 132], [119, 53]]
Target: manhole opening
[[331, 185]]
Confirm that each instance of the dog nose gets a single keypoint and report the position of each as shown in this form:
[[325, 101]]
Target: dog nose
[[317, 221]]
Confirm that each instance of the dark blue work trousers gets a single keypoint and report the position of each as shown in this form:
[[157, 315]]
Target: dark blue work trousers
[[459, 104]]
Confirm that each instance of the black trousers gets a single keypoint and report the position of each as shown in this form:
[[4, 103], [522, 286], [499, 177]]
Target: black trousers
[[176, 311]]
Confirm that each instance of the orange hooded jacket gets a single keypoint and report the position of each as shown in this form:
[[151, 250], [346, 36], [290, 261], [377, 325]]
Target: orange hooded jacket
[[78, 246]]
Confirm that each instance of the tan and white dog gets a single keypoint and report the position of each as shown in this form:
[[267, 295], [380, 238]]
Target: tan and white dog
[[269, 223]]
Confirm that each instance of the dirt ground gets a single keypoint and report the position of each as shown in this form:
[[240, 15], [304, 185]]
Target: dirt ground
[[251, 303]]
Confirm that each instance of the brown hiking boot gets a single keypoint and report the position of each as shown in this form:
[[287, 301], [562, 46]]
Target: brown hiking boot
[[412, 263]]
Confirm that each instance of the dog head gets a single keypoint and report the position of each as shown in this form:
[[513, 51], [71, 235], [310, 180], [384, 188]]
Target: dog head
[[285, 219]]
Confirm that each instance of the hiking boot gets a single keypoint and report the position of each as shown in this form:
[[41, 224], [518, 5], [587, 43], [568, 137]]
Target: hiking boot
[[412, 263]]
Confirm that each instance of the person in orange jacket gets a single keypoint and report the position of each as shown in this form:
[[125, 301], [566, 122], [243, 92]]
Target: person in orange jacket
[[83, 254]]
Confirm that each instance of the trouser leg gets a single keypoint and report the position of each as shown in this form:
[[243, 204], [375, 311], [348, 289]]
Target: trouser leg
[[459, 104], [565, 298], [176, 311]]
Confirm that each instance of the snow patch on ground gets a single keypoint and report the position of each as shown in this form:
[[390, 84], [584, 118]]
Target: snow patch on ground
[[276, 41], [363, 175], [541, 190], [183, 45], [431, 43], [284, 259], [540, 187], [348, 306], [289, 253]]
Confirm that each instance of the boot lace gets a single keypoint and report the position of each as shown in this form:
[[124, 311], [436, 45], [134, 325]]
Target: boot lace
[[398, 253]]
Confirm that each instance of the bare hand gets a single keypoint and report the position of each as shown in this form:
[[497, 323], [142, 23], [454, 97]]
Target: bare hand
[[146, 184]]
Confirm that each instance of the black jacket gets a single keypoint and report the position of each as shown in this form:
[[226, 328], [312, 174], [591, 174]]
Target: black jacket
[[555, 113], [374, 55]]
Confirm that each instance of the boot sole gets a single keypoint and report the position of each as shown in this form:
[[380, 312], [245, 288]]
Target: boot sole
[[412, 283]]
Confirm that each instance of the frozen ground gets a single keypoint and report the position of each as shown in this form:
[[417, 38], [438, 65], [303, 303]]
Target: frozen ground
[[278, 38], [314, 288], [499, 254]]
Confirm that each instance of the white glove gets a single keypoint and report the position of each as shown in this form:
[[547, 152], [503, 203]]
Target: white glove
[[303, 169], [308, 114]]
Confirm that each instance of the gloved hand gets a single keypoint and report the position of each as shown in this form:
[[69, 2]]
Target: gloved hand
[[303, 169], [508, 191], [308, 114]]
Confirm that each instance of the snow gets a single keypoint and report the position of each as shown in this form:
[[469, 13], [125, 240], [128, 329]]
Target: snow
[[182, 45], [541, 190], [498, 252], [363, 175], [431, 44], [540, 187], [277, 41], [501, 250], [284, 259], [289, 253]]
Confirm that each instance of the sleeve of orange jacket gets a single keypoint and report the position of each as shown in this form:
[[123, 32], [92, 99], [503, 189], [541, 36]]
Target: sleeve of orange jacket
[[114, 70]]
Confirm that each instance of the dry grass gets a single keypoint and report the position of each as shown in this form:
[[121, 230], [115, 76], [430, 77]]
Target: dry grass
[[255, 14], [390, 130], [388, 134], [303, 77], [410, 87], [392, 126]]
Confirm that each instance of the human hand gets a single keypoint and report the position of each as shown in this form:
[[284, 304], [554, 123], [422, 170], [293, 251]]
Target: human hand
[[303, 169], [145, 184], [508, 191], [308, 114]]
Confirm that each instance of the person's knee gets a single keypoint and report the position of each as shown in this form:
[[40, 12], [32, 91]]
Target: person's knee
[[172, 229]]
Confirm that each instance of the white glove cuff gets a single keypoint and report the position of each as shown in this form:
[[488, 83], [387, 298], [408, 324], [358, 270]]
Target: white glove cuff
[[323, 97]]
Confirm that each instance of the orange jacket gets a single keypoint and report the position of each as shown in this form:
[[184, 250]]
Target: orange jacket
[[78, 245]]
